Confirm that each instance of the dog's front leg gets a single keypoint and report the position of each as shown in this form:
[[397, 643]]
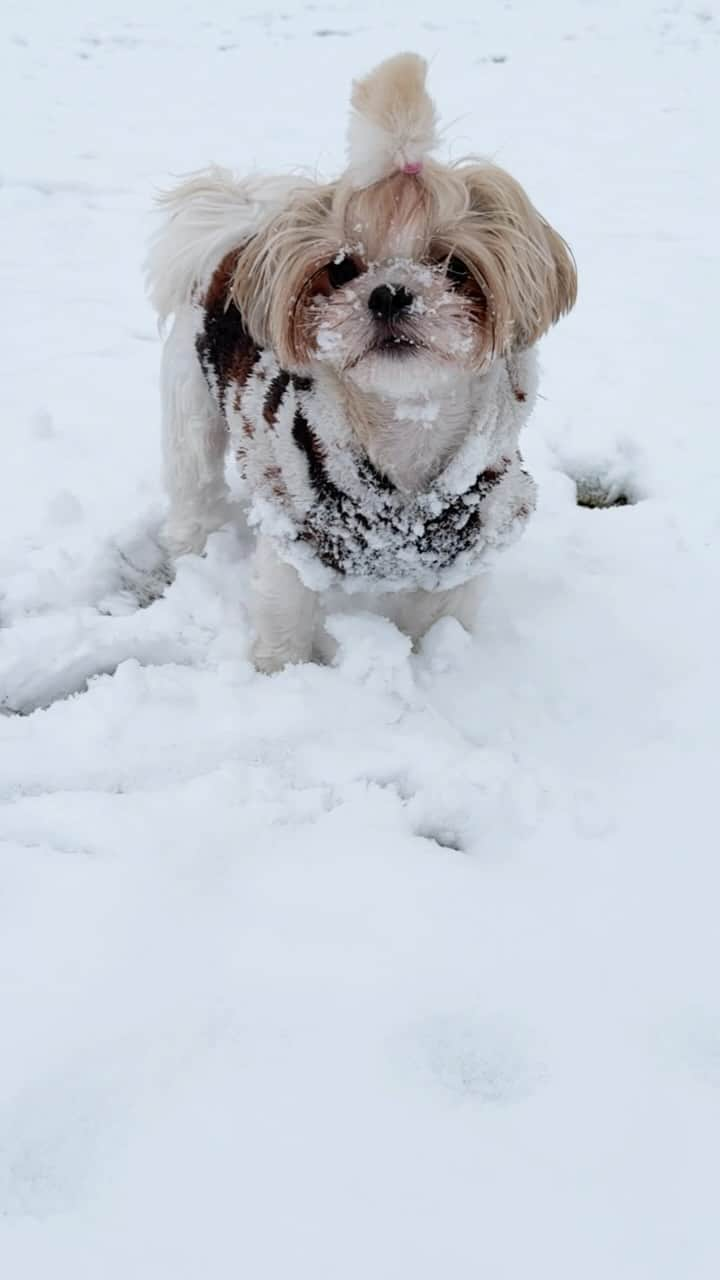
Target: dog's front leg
[[416, 611], [283, 611]]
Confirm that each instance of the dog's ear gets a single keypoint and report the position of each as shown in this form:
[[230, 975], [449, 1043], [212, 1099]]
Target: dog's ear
[[277, 267], [529, 269], [562, 282]]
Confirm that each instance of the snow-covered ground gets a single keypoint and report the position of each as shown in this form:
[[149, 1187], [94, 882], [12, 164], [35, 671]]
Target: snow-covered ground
[[408, 967]]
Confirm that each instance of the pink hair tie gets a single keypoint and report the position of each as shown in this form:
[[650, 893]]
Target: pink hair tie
[[413, 168]]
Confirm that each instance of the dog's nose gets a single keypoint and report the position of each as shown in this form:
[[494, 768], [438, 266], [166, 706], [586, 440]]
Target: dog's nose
[[388, 300]]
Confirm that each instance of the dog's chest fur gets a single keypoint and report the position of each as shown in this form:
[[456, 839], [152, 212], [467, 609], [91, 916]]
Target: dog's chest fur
[[340, 519]]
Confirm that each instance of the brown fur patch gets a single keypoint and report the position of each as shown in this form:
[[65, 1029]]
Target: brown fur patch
[[274, 476], [275, 393], [225, 349]]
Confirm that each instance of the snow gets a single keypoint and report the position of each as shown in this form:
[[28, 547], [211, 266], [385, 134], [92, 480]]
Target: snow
[[407, 966]]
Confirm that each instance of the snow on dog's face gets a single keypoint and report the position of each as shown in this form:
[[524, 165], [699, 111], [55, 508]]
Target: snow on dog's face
[[405, 269], [396, 306]]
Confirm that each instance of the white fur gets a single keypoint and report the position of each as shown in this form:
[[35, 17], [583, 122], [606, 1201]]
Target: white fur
[[209, 214], [283, 611], [415, 424], [376, 152], [194, 443]]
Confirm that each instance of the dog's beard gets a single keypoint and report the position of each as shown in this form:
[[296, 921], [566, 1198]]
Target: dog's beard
[[417, 374]]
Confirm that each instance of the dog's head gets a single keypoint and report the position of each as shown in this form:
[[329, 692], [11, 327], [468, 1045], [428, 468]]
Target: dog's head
[[405, 268]]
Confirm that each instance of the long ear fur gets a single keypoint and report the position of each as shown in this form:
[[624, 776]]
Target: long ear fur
[[273, 272], [529, 267], [209, 214]]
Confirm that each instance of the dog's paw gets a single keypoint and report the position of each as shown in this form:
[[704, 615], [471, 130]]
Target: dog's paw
[[183, 535], [184, 539], [268, 661]]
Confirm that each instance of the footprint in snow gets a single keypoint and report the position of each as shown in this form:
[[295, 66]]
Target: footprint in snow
[[480, 1059]]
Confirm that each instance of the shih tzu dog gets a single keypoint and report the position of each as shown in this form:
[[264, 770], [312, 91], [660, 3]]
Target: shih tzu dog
[[366, 349]]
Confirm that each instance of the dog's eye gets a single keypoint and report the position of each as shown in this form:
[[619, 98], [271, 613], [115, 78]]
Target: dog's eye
[[456, 271], [342, 271]]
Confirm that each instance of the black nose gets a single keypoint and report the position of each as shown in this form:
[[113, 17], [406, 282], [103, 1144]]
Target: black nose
[[388, 300]]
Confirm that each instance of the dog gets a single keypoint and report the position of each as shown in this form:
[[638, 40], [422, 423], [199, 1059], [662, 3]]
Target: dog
[[366, 348]]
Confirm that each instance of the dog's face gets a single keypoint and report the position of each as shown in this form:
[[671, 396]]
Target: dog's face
[[400, 283], [397, 305]]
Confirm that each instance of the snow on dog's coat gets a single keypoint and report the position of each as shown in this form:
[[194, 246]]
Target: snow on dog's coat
[[367, 347]]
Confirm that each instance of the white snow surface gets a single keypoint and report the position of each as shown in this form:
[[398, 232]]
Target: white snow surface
[[406, 967]]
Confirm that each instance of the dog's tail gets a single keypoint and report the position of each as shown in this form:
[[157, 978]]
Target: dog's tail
[[207, 215]]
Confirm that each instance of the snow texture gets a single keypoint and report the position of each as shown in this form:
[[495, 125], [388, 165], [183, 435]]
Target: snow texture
[[407, 966]]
